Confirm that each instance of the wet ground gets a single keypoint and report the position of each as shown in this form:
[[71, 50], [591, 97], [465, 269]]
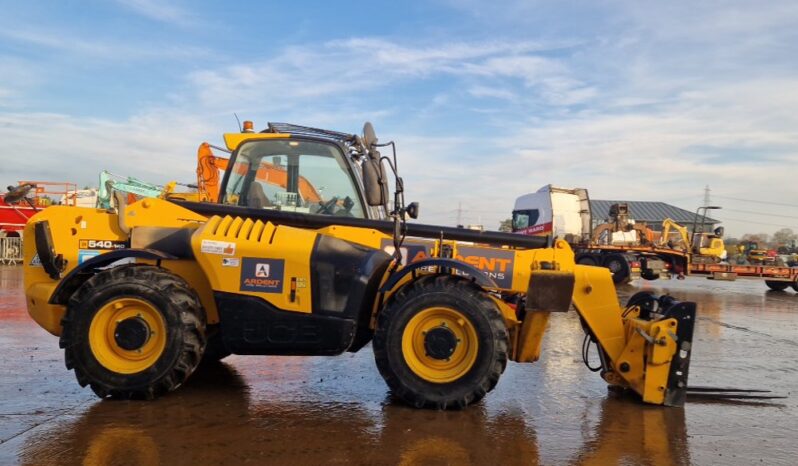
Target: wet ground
[[313, 410]]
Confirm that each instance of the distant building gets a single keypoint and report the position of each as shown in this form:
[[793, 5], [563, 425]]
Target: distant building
[[652, 213]]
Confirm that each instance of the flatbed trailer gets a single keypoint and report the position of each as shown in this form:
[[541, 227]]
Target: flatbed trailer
[[625, 254], [651, 263], [775, 277]]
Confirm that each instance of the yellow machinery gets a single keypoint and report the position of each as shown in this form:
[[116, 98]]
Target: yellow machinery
[[141, 295], [704, 244]]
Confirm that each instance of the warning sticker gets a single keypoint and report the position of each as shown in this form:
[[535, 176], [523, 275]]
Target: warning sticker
[[224, 248], [230, 262], [262, 275]]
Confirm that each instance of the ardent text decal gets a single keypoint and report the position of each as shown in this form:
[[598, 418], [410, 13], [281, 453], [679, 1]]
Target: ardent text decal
[[496, 264], [262, 275]]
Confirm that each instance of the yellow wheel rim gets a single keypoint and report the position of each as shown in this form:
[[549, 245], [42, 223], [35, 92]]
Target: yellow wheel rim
[[439, 369], [103, 335]]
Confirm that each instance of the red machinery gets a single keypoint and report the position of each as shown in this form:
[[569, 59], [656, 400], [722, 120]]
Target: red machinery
[[27, 198]]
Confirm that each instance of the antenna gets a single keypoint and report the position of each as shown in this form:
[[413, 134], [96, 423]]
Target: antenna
[[707, 200], [240, 129]]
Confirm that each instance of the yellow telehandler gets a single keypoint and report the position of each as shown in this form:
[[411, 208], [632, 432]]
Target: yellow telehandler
[[141, 294]]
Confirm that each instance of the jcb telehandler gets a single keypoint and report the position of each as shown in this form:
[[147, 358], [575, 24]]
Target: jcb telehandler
[[142, 293]]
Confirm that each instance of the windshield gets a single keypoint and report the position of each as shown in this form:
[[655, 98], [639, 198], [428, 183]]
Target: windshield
[[523, 219], [293, 175]]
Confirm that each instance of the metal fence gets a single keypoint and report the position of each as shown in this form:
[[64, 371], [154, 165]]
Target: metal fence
[[10, 251]]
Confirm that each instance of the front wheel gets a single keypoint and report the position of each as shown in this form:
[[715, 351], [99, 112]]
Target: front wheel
[[133, 331], [441, 343]]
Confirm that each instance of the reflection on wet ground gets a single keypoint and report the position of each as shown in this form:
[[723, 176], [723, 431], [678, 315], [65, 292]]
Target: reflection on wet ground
[[303, 410]]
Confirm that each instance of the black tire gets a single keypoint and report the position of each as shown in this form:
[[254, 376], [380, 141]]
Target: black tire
[[215, 350], [473, 304], [169, 295], [586, 260], [619, 268], [776, 285]]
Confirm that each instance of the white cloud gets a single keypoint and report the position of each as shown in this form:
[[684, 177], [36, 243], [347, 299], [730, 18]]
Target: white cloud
[[108, 50], [161, 10], [647, 103]]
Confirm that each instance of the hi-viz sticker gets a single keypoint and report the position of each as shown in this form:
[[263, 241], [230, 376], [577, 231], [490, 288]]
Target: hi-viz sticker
[[262, 275]]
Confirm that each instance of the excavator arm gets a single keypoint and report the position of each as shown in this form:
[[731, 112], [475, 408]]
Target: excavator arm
[[209, 166], [669, 224]]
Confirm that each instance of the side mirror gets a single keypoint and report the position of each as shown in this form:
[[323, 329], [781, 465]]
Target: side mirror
[[412, 210], [369, 135], [375, 186]]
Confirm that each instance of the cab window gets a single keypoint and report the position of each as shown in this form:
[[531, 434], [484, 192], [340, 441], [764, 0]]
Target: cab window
[[525, 218], [293, 175]]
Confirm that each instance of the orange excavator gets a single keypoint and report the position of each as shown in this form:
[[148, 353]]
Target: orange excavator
[[208, 180]]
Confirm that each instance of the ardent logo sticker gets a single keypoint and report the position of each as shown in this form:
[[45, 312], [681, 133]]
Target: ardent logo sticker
[[262, 270], [262, 275]]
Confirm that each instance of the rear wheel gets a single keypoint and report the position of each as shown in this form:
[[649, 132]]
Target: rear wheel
[[586, 260], [134, 331], [618, 267], [441, 343], [776, 285]]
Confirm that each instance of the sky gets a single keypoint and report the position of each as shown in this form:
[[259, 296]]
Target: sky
[[486, 101]]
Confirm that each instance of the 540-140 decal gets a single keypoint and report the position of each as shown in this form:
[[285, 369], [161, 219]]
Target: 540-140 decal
[[101, 244]]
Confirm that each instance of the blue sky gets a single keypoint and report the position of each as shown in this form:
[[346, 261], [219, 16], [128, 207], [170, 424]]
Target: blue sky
[[636, 100]]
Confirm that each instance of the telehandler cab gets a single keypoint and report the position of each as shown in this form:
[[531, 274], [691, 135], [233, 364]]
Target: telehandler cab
[[141, 294]]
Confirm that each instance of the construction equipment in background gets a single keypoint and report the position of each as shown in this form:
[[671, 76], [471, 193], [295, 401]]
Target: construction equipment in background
[[273, 174], [707, 247], [616, 244], [755, 255], [249, 276], [21, 202], [209, 166], [620, 229], [565, 213], [131, 189]]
